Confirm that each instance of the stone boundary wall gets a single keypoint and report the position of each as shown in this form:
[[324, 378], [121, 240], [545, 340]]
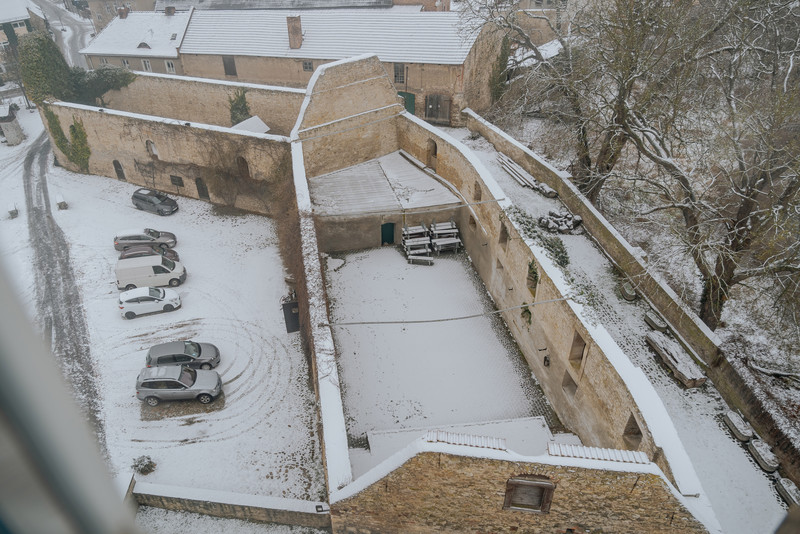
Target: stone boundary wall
[[598, 405], [234, 506], [448, 488], [205, 100], [732, 381]]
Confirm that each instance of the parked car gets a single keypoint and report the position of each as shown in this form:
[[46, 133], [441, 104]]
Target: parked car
[[153, 201], [149, 271], [137, 251], [146, 236], [171, 382], [144, 300], [188, 353]]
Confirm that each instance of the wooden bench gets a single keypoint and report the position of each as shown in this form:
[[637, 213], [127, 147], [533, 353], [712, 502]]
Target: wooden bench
[[424, 260], [446, 243], [413, 232]]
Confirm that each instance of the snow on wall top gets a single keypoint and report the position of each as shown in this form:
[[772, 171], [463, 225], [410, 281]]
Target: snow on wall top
[[596, 453], [269, 4], [468, 440], [212, 81], [128, 36], [13, 11], [395, 36]]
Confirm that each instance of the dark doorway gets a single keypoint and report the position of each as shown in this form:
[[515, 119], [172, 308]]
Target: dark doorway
[[243, 168], [387, 233], [432, 154], [202, 190], [119, 171]]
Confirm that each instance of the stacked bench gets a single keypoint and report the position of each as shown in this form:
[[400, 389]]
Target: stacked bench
[[420, 241]]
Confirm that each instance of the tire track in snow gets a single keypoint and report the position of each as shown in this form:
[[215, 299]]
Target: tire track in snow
[[58, 301]]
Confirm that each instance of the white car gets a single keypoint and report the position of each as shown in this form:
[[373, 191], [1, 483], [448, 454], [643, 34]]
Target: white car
[[147, 300]]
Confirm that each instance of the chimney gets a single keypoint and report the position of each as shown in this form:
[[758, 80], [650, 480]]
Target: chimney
[[295, 32], [169, 11], [123, 12]]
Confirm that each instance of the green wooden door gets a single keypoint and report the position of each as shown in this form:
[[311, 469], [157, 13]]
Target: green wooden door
[[387, 234], [408, 98]]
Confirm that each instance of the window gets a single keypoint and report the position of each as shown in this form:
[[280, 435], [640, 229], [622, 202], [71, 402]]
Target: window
[[529, 493], [17, 24], [170, 66], [308, 66], [157, 269], [146, 65], [177, 181], [399, 73], [229, 64], [151, 149], [104, 61], [532, 279], [243, 167], [173, 36], [569, 385], [99, 17], [118, 170], [503, 239], [126, 63], [109, 9], [576, 351], [632, 433], [476, 191]]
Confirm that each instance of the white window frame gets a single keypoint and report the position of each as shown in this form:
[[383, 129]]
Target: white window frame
[[104, 61], [126, 63], [19, 24], [146, 65], [170, 66]]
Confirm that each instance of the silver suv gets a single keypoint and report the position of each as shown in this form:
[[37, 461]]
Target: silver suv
[[156, 384], [189, 353]]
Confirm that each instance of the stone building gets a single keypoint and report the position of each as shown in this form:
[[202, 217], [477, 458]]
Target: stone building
[[9, 126], [436, 68], [627, 472]]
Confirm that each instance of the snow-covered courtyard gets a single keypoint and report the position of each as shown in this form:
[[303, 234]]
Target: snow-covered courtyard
[[259, 437]]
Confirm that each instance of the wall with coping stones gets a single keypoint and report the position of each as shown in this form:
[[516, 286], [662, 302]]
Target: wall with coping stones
[[732, 381], [600, 408], [234, 511], [448, 493], [206, 101], [187, 152]]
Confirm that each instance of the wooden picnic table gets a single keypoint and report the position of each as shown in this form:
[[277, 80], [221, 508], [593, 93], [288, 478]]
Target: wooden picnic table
[[446, 243]]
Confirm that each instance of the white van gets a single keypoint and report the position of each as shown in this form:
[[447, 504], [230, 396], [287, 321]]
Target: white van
[[149, 271]]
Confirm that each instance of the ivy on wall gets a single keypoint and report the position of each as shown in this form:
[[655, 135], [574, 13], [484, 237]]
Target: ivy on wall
[[76, 148], [240, 109]]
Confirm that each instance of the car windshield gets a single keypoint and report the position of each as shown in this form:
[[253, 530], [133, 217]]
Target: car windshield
[[188, 376], [156, 292], [168, 263], [157, 199], [152, 233], [191, 348]]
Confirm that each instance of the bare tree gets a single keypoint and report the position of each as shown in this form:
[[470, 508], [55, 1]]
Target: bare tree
[[727, 152]]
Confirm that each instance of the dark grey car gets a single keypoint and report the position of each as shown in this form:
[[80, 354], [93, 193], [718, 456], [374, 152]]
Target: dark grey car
[[137, 251], [146, 236], [154, 201], [189, 353], [171, 382]]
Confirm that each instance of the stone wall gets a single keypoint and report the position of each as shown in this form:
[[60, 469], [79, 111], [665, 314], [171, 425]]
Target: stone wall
[[732, 381], [181, 153], [448, 493], [587, 391], [206, 101]]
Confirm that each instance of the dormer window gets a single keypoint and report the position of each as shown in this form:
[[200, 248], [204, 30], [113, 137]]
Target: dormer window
[[173, 37], [143, 45]]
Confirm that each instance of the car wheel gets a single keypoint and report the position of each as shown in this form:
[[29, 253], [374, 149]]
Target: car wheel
[[130, 315], [205, 366], [204, 398], [130, 286], [174, 282], [169, 307], [152, 401]]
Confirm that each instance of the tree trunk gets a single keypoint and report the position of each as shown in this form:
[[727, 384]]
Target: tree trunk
[[715, 292]]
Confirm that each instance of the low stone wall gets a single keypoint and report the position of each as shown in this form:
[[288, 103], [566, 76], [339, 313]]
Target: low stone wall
[[234, 506], [737, 390]]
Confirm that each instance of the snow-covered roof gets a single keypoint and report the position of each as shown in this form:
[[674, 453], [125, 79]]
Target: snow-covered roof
[[253, 124], [268, 4], [394, 35], [13, 11], [141, 34]]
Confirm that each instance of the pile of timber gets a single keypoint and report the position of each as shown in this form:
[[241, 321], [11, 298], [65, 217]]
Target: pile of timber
[[563, 223], [523, 178]]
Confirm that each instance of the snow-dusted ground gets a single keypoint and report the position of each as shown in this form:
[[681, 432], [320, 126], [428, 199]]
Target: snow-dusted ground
[[400, 376], [743, 497], [259, 437]]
